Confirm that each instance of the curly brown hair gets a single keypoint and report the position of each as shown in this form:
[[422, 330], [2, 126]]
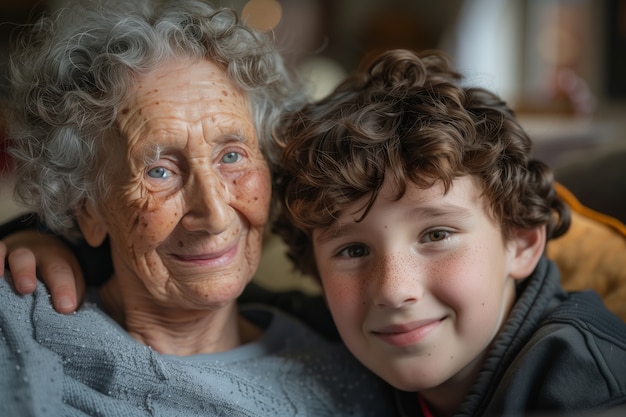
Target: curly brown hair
[[407, 115]]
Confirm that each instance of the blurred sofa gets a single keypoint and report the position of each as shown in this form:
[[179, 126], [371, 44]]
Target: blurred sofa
[[592, 254]]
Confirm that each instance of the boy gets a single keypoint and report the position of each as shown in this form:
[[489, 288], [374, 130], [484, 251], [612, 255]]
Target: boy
[[414, 201]]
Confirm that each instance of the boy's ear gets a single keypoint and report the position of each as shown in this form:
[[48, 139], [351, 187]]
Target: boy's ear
[[529, 246], [91, 225]]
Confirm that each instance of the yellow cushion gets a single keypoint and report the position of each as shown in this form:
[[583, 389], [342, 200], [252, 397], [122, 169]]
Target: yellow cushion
[[592, 254]]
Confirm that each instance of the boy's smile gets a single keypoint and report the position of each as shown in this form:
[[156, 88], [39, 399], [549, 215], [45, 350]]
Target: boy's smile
[[407, 334], [420, 287]]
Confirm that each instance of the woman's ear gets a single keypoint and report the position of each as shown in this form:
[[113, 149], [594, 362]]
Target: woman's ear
[[528, 245], [91, 225]]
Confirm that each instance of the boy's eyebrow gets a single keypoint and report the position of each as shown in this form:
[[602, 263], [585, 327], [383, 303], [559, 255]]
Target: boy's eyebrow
[[338, 228], [331, 232]]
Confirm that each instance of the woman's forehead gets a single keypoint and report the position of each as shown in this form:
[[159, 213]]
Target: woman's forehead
[[181, 96], [179, 82]]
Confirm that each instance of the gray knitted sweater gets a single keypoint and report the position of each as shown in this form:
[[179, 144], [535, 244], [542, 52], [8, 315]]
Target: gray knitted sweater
[[85, 364]]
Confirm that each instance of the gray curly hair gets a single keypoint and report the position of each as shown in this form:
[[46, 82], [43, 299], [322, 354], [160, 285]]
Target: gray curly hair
[[73, 69]]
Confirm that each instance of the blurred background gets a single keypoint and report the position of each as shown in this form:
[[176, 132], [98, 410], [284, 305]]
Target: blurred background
[[561, 64]]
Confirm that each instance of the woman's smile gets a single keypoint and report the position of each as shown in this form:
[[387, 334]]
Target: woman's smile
[[219, 257]]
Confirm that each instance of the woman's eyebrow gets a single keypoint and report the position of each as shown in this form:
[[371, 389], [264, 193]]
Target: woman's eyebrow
[[232, 137], [152, 153]]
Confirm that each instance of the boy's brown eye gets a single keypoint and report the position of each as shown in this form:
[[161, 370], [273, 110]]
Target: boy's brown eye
[[437, 235], [354, 251]]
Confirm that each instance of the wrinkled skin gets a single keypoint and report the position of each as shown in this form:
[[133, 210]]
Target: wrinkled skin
[[189, 199]]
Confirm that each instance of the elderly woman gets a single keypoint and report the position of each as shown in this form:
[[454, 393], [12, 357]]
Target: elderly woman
[[151, 127]]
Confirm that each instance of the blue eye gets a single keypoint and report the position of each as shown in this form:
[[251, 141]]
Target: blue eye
[[231, 158], [354, 251], [158, 172]]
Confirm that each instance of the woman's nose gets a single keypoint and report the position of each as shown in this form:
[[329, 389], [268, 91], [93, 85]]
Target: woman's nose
[[396, 282], [207, 204]]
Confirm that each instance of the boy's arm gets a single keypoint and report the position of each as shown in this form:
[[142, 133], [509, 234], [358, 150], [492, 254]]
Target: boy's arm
[[30, 250]]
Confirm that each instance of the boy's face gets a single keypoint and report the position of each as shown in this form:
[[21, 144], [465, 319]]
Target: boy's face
[[421, 286]]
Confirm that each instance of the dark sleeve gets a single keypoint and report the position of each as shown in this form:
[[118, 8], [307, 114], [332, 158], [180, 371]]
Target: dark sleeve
[[311, 309], [95, 262]]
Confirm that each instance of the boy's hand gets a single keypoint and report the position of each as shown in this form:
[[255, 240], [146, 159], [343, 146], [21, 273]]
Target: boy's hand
[[29, 252]]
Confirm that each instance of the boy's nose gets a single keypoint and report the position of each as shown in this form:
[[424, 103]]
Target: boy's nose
[[395, 283]]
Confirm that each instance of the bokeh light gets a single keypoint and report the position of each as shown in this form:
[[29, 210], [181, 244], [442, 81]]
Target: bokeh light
[[263, 15]]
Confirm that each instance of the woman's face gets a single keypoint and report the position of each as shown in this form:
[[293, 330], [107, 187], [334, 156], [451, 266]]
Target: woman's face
[[190, 189]]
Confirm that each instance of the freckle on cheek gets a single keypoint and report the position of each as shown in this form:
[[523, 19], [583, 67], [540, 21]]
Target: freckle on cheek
[[181, 244]]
